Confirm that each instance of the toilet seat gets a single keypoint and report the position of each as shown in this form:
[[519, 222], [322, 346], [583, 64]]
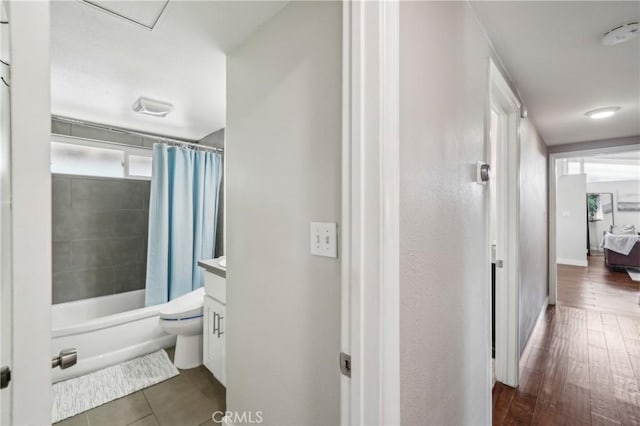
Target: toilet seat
[[184, 307]]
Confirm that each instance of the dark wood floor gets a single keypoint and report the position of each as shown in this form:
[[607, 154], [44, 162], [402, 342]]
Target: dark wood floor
[[597, 288], [582, 363]]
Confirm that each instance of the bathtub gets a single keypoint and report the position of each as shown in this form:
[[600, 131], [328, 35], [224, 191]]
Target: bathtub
[[106, 330]]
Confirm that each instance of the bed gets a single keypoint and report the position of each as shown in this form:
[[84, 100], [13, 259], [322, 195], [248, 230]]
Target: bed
[[615, 246]]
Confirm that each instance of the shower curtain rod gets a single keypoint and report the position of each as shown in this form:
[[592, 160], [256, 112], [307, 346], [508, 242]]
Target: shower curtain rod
[[163, 139]]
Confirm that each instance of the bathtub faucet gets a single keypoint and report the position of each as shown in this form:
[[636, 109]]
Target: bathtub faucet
[[65, 359]]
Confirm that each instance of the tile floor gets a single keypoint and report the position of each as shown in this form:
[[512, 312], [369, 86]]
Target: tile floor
[[188, 399]]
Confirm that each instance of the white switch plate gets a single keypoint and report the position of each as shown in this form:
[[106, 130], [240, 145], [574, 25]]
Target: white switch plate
[[324, 239]]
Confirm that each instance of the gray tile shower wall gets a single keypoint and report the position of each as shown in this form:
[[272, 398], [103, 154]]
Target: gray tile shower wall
[[100, 224], [99, 236]]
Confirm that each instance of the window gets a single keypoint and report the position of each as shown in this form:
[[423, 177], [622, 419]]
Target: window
[[86, 160], [602, 168], [612, 170], [73, 156], [139, 166], [574, 167]]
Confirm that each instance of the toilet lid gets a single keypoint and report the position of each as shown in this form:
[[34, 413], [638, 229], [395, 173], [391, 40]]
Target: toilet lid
[[183, 307]]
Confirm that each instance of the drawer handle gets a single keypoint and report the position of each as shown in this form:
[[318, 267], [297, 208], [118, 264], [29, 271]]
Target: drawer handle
[[220, 332]]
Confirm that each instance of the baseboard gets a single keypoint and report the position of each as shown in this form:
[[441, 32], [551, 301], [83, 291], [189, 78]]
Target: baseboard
[[493, 373], [572, 262], [527, 347]]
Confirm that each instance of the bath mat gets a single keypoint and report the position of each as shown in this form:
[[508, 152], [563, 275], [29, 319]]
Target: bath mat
[[634, 273], [83, 393]]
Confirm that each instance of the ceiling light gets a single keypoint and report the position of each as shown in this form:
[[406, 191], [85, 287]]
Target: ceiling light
[[602, 112], [151, 107], [621, 33]]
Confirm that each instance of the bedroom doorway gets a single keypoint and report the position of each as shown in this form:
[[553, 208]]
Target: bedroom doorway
[[596, 320], [595, 218]]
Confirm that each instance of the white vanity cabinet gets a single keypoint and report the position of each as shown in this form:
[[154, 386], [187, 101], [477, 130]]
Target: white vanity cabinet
[[214, 338], [215, 318]]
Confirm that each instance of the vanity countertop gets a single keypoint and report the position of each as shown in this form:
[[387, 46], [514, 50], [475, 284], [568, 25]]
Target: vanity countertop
[[213, 266]]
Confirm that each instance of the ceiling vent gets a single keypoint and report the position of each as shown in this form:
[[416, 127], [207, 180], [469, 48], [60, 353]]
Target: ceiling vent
[[621, 33], [150, 107], [143, 13]]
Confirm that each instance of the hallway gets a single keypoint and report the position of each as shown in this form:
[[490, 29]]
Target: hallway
[[582, 363]]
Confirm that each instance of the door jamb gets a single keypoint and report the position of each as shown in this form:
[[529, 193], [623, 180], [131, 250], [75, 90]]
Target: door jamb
[[507, 357], [370, 213], [345, 219], [31, 212], [6, 296]]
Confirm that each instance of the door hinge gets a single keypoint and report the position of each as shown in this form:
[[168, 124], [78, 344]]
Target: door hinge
[[345, 364], [5, 377]]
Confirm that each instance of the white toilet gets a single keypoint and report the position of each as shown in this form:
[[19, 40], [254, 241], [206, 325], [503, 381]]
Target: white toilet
[[183, 317]]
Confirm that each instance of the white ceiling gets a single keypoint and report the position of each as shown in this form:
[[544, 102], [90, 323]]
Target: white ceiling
[[552, 52], [101, 64], [145, 13]]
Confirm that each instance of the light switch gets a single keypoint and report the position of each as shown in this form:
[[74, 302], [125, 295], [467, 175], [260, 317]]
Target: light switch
[[324, 239], [566, 213]]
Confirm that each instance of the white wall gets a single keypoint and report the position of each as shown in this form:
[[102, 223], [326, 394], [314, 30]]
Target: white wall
[[571, 220], [618, 188], [445, 303], [31, 212], [283, 170], [444, 256], [533, 229], [571, 230]]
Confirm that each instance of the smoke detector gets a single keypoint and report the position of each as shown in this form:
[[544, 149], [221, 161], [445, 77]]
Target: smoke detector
[[152, 107], [621, 33]]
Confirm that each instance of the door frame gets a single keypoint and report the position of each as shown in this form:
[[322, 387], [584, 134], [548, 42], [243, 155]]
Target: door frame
[[503, 99], [553, 182], [370, 325], [5, 217], [31, 212], [30, 203]]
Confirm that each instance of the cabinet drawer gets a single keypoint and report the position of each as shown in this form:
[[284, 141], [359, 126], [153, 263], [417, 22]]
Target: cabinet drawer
[[215, 287]]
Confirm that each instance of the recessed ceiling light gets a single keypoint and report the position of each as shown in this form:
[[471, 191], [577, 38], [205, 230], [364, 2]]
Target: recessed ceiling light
[[621, 33], [602, 112], [151, 107]]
